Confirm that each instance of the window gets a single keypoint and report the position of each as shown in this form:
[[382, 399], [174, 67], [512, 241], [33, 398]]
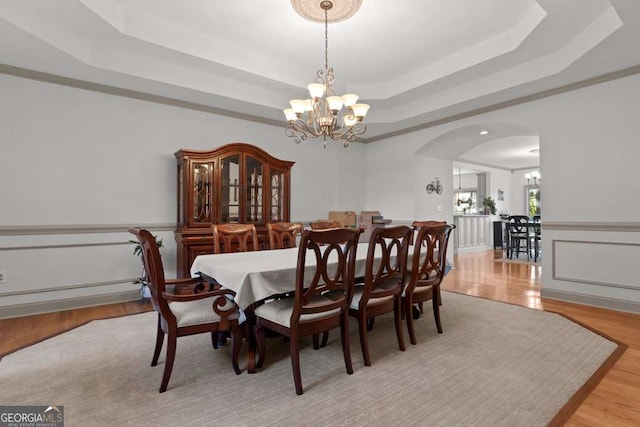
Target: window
[[465, 201], [533, 200]]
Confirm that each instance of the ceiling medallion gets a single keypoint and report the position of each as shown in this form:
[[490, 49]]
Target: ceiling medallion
[[314, 10]]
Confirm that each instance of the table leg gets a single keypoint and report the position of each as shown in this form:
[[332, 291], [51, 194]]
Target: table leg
[[250, 335]]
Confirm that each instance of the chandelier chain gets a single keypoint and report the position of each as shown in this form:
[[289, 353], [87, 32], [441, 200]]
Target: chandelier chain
[[326, 40]]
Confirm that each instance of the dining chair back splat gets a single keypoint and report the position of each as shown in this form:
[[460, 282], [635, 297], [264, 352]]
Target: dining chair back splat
[[384, 279], [182, 315], [323, 291], [427, 271], [232, 237], [325, 225], [283, 235]]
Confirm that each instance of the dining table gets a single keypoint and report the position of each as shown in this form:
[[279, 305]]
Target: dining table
[[256, 276]]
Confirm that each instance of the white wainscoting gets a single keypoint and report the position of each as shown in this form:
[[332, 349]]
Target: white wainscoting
[[52, 268], [472, 233], [593, 263]]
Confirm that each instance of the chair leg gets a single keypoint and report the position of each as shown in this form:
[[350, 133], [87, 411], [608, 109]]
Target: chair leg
[[436, 312], [409, 318], [370, 323], [364, 343], [217, 339], [316, 340], [236, 342], [295, 364], [397, 308], [159, 342], [344, 334], [168, 363], [325, 339]]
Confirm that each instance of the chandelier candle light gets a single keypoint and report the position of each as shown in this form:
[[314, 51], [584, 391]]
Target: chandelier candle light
[[323, 114], [533, 178]]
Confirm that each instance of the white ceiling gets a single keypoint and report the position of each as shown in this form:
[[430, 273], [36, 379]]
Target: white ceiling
[[414, 62]]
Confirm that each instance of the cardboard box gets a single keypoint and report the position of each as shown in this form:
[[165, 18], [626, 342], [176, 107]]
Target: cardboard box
[[368, 221], [345, 218]]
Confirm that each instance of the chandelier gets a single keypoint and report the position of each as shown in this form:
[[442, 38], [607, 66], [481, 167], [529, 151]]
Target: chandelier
[[325, 114], [533, 178]]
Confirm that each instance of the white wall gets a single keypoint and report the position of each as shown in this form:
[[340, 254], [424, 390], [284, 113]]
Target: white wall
[[75, 157], [397, 178], [589, 153], [501, 180], [70, 156]]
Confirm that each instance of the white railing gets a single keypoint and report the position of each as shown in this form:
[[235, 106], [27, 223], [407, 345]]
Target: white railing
[[473, 232]]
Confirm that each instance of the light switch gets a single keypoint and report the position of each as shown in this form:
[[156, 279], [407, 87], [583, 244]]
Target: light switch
[[439, 208]]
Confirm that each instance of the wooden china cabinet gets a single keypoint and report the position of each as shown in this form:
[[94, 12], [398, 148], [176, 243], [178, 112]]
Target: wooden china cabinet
[[238, 183]]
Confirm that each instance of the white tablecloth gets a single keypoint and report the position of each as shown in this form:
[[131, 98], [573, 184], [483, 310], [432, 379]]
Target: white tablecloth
[[254, 276]]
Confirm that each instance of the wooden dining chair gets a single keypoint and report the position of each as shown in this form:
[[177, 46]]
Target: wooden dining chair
[[415, 225], [182, 315], [518, 229], [384, 279], [323, 290], [324, 225], [233, 237], [428, 266], [283, 234]]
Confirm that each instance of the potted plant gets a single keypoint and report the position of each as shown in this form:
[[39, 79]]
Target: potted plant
[[144, 290], [489, 205]]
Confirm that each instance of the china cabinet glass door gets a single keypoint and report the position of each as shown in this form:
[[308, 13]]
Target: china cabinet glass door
[[202, 179], [277, 199], [254, 170], [230, 188]]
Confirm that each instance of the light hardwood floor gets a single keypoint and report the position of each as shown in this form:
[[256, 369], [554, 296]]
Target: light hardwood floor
[[614, 402]]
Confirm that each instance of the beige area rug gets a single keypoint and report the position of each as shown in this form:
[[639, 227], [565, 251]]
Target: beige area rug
[[495, 365]]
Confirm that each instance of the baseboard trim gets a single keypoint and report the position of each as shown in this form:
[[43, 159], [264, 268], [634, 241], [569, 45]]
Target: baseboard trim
[[28, 309], [592, 300]]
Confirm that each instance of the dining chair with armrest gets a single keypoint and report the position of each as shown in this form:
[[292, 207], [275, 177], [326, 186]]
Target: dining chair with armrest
[[428, 266], [233, 237], [321, 299], [283, 234], [205, 310], [384, 279]]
